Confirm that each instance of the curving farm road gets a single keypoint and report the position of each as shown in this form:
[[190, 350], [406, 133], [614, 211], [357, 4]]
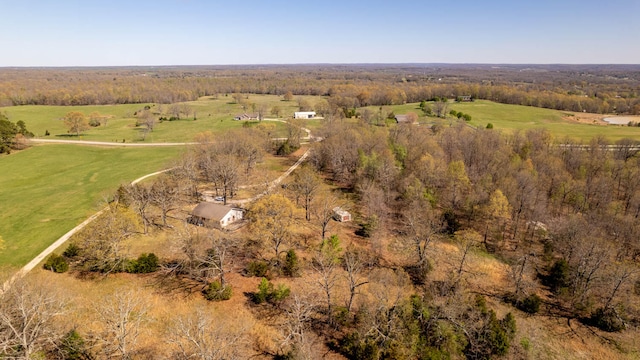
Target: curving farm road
[[106, 143], [46, 252], [49, 250]]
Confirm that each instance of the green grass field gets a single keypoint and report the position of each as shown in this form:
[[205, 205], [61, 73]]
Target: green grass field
[[512, 117], [516, 117], [49, 189], [215, 115]]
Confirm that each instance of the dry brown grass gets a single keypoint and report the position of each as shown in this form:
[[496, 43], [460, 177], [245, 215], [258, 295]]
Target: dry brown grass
[[538, 337]]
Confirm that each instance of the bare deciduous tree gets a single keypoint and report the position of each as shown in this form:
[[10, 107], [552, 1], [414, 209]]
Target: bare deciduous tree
[[299, 316], [354, 266], [165, 195], [422, 224], [28, 315], [294, 131], [272, 219], [325, 264], [305, 184], [216, 259], [203, 335], [140, 195], [121, 316], [102, 242], [323, 206], [222, 170]]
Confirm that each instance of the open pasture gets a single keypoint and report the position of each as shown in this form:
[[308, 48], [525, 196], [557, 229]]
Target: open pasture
[[49, 189], [509, 118], [213, 114], [517, 117]]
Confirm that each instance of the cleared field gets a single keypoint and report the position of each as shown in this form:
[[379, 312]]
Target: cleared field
[[49, 189], [212, 114], [516, 117], [513, 117]]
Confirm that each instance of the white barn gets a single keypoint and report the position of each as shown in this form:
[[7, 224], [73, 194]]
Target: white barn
[[304, 114], [215, 215]]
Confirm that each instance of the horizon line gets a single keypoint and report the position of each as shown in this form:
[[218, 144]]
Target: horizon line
[[312, 64]]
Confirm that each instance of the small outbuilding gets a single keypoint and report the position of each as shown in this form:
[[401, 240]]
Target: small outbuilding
[[304, 114], [215, 215], [245, 116], [406, 119], [339, 214]]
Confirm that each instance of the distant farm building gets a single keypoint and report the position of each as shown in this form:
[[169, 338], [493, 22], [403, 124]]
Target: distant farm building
[[405, 119], [341, 215], [246, 116], [464, 98], [304, 114], [215, 215]]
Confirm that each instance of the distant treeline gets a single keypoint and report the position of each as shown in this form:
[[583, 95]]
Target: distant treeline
[[590, 88]]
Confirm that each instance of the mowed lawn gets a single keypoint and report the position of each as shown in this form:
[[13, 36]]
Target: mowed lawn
[[211, 114], [47, 190]]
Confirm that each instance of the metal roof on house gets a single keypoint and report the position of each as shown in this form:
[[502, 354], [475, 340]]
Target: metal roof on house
[[211, 211], [402, 118]]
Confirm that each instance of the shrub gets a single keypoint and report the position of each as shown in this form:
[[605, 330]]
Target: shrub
[[490, 126], [530, 304], [56, 263], [258, 269], [291, 267], [367, 228], [452, 225], [607, 320], [285, 148], [558, 279], [72, 251], [494, 338], [267, 292], [216, 292], [94, 122], [279, 294], [73, 347], [354, 347], [146, 263], [263, 291]]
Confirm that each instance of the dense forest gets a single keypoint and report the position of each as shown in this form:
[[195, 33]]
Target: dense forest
[[589, 88]]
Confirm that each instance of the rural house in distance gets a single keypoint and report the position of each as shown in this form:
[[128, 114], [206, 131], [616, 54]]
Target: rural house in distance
[[215, 215], [245, 116], [304, 114], [405, 119]]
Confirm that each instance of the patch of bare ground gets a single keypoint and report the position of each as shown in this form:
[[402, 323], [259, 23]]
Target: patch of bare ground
[[585, 118]]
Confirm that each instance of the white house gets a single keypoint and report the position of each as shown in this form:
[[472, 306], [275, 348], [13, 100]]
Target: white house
[[215, 215], [304, 114]]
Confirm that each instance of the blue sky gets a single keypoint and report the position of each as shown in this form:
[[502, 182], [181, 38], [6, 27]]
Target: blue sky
[[212, 32]]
